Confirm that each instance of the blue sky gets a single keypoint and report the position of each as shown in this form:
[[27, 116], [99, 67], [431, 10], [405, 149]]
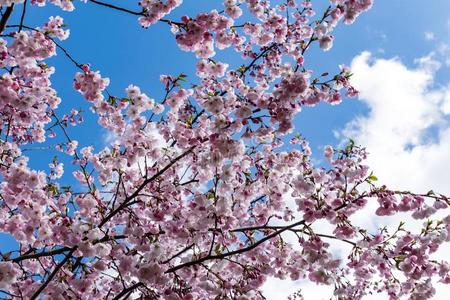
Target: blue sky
[[396, 32], [116, 45]]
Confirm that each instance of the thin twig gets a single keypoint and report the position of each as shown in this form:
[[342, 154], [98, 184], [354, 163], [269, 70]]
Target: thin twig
[[264, 52], [143, 185], [41, 254], [136, 13], [238, 251], [5, 17], [68, 55], [22, 18], [127, 290], [179, 253], [53, 274]]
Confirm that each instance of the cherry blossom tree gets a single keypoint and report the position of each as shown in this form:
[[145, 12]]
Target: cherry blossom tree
[[196, 193]]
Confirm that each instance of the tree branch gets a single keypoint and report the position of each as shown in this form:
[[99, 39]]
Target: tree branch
[[243, 229], [264, 52], [143, 185], [127, 290], [41, 254], [238, 251], [270, 236], [78, 65], [179, 253], [136, 13], [22, 18], [5, 17], [55, 271]]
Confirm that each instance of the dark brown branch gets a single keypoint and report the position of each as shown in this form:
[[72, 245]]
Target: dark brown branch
[[143, 185], [252, 246], [55, 271], [128, 290], [160, 172], [5, 17], [188, 182], [197, 116], [12, 295], [41, 254], [214, 235], [136, 13], [108, 238], [244, 229], [262, 227], [313, 36], [80, 66], [22, 17], [179, 253], [83, 167], [334, 238], [77, 264], [238, 251], [252, 63]]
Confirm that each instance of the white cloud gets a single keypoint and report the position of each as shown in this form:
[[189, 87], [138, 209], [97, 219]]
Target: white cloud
[[277, 289], [429, 35], [407, 133], [406, 130]]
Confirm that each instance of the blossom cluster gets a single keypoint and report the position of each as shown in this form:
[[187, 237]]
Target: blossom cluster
[[196, 195], [156, 10], [197, 34], [26, 93], [55, 28]]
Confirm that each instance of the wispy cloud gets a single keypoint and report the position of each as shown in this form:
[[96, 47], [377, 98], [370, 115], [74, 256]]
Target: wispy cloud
[[407, 132], [429, 35], [406, 129]]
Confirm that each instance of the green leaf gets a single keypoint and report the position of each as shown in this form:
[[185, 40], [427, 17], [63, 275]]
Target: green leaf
[[348, 75], [112, 100], [66, 188], [182, 77], [52, 188], [189, 120], [217, 249], [372, 178], [350, 145], [127, 100]]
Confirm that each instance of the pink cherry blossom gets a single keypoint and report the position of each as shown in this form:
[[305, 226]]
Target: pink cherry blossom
[[195, 193]]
